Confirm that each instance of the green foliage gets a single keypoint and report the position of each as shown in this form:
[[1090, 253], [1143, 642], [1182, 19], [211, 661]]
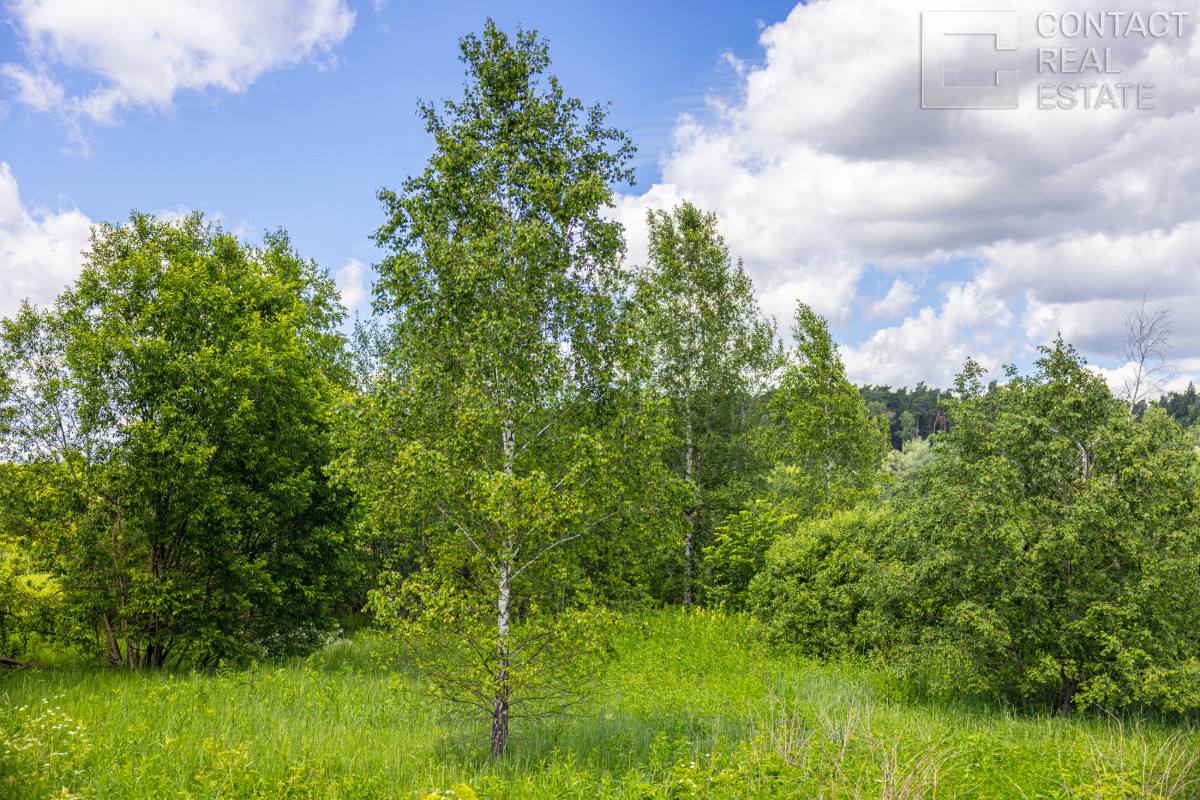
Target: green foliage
[[740, 547], [903, 467], [818, 588], [830, 452], [1026, 556], [29, 598], [557, 651], [504, 431], [1054, 548], [822, 427], [919, 413], [690, 696], [36, 513], [29, 607], [710, 353], [1183, 407], [167, 429]]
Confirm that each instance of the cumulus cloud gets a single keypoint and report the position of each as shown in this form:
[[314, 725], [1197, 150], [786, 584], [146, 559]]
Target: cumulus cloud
[[897, 301], [969, 323], [353, 282], [1175, 378], [87, 60], [824, 169], [39, 249]]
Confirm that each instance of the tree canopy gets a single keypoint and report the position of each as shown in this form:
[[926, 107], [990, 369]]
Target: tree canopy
[[514, 425], [830, 446], [1055, 544], [170, 415], [711, 356]]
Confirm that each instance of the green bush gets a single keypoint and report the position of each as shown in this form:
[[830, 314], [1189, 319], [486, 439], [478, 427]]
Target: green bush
[[1053, 551], [166, 424], [30, 599], [740, 548], [819, 586], [1047, 556], [902, 468]]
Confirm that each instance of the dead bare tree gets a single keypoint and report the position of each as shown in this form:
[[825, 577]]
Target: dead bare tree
[[1147, 342]]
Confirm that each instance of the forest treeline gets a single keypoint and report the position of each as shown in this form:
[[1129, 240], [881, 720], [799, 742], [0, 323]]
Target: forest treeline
[[920, 412], [1183, 407], [530, 437]]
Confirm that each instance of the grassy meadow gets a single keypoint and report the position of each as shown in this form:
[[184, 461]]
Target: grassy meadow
[[692, 706]]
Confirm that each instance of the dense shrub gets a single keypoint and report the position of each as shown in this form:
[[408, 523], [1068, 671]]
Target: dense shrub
[[740, 549], [819, 587], [1053, 549], [165, 429], [1048, 556]]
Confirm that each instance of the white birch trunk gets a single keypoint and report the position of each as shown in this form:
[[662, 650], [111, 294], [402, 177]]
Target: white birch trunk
[[504, 570], [690, 518], [500, 704]]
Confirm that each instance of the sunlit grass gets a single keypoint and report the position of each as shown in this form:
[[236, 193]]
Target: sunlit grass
[[692, 707]]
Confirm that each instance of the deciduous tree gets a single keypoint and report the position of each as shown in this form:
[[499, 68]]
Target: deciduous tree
[[506, 426], [170, 413], [1147, 342], [711, 355], [1054, 547], [824, 434]]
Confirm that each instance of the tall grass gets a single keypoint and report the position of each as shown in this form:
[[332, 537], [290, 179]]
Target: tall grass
[[692, 707]]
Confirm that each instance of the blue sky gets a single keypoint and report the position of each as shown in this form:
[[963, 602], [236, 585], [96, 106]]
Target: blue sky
[[923, 235], [307, 146]]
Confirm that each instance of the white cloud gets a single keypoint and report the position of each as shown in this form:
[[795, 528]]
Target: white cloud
[[177, 213], [353, 282], [969, 324], [828, 287], [897, 301], [1175, 380], [1095, 264], [39, 249], [32, 88], [1183, 374], [144, 52], [824, 167]]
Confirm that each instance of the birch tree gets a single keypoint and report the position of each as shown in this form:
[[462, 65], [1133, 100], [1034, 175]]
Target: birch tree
[[503, 427], [1147, 342], [831, 446], [711, 353]]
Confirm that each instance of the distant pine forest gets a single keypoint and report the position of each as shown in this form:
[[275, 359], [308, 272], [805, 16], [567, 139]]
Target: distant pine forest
[[918, 413]]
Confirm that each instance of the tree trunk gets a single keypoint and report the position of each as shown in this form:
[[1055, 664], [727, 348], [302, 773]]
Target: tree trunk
[[690, 517], [500, 704], [1067, 694], [504, 582], [12, 662], [114, 649]]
